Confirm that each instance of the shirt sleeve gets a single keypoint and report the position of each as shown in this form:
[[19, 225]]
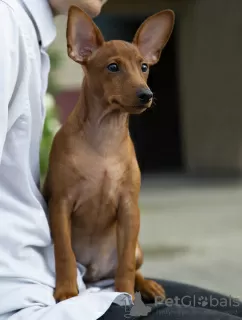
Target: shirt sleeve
[[8, 66]]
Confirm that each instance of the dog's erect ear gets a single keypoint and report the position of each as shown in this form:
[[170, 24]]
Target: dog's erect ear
[[153, 35], [83, 36]]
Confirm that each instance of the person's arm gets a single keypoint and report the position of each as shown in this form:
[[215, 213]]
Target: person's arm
[[8, 66]]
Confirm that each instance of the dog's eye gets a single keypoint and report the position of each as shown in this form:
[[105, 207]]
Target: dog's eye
[[113, 67], [144, 67]]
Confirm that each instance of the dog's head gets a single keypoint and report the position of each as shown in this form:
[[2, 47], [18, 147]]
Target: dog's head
[[117, 70]]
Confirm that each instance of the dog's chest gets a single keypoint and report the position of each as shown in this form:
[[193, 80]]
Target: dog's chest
[[99, 191]]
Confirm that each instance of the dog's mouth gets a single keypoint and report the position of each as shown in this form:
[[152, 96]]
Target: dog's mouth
[[132, 108]]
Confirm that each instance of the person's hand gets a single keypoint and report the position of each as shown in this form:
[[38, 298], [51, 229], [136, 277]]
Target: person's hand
[[91, 7]]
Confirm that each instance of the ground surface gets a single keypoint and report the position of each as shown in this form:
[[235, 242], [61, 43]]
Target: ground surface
[[191, 231]]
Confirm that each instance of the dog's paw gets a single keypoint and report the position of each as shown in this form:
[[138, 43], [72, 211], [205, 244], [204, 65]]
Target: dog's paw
[[151, 289], [122, 285], [64, 292]]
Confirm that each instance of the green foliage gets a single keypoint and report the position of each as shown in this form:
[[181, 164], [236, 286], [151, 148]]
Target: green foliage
[[52, 123], [55, 61]]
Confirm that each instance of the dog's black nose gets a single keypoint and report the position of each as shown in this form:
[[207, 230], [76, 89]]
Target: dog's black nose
[[144, 95]]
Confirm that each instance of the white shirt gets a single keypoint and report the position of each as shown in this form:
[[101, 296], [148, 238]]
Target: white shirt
[[27, 272]]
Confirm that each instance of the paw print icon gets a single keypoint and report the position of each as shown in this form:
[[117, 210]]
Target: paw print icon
[[202, 301]]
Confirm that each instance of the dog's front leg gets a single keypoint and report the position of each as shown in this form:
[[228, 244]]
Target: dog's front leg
[[128, 224], [65, 261]]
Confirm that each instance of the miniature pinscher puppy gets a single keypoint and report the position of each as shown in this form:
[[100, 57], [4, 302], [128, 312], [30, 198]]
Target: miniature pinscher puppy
[[93, 182]]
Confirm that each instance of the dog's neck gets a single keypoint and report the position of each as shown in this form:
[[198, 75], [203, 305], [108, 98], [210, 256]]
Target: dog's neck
[[104, 126]]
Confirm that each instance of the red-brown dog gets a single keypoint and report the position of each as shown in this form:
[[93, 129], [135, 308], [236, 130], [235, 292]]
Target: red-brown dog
[[93, 182]]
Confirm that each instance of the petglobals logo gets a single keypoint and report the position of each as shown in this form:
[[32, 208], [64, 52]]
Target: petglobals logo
[[137, 309], [199, 301]]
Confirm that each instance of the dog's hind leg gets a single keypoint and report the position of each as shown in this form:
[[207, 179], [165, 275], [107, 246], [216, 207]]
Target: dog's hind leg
[[149, 289]]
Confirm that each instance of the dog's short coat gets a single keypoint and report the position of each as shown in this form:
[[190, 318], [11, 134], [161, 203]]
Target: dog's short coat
[[93, 181]]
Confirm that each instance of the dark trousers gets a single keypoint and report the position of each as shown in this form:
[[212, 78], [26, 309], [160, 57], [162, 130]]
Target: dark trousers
[[184, 302]]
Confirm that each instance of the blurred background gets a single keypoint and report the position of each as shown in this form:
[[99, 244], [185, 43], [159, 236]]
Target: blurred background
[[189, 146]]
